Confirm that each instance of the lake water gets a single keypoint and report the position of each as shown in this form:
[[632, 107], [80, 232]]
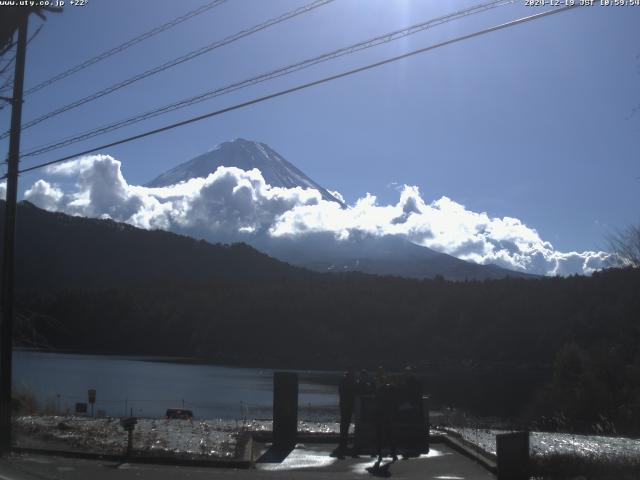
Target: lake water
[[146, 387]]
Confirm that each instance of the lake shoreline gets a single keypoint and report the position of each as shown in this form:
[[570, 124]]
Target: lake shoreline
[[227, 363], [148, 386]]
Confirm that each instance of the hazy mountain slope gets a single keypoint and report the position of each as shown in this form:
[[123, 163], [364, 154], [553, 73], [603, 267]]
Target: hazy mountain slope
[[388, 255]]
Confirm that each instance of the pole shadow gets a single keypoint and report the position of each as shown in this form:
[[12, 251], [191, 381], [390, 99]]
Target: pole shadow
[[276, 454]]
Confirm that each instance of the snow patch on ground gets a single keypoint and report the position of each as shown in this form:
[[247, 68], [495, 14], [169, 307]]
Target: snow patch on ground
[[544, 444], [214, 439], [210, 438]]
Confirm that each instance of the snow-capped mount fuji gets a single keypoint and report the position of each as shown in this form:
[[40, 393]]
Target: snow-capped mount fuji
[[388, 255], [244, 154]]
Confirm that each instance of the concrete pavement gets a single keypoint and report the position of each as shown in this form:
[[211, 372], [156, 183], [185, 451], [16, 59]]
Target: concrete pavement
[[306, 461]]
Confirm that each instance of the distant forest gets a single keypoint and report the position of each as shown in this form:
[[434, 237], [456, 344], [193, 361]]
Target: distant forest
[[563, 353]]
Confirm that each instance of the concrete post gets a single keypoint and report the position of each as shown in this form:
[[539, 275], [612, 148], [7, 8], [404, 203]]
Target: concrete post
[[513, 455], [285, 409]]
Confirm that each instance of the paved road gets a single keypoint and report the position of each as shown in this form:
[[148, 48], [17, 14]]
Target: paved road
[[305, 462]]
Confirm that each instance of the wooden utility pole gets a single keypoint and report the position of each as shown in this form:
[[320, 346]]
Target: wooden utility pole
[[8, 257]]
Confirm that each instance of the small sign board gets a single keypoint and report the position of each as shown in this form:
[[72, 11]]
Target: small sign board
[[92, 396], [128, 423], [81, 408]]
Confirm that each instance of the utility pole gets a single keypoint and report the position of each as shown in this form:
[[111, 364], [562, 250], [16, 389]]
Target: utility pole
[[8, 258]]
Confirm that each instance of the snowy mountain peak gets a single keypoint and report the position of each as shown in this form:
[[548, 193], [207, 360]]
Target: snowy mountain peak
[[244, 154]]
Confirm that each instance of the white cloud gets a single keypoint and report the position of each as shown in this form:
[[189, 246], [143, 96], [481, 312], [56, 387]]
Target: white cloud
[[233, 204], [44, 195], [228, 204]]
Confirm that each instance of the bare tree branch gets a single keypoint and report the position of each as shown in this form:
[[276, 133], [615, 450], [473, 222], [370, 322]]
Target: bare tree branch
[[625, 244]]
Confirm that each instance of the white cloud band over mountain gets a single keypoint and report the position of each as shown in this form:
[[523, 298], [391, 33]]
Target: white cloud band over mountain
[[236, 205]]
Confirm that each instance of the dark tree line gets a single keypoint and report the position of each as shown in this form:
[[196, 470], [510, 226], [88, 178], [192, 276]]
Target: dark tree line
[[563, 351]]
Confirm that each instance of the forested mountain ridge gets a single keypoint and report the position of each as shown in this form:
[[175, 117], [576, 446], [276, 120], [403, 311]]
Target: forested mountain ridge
[[58, 250]]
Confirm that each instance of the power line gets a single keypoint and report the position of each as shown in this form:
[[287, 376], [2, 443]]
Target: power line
[[8, 84], [177, 61], [11, 61], [7, 65], [123, 46], [286, 70], [305, 86]]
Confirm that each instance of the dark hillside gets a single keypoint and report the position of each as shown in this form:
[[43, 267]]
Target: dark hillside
[[58, 250]]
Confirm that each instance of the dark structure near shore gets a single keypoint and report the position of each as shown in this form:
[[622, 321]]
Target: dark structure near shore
[[409, 425], [512, 450], [285, 409]]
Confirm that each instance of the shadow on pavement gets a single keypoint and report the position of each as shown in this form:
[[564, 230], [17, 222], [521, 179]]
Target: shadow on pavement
[[380, 469], [275, 454]]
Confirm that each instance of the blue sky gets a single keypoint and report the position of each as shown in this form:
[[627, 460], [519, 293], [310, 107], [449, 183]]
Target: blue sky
[[532, 122]]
